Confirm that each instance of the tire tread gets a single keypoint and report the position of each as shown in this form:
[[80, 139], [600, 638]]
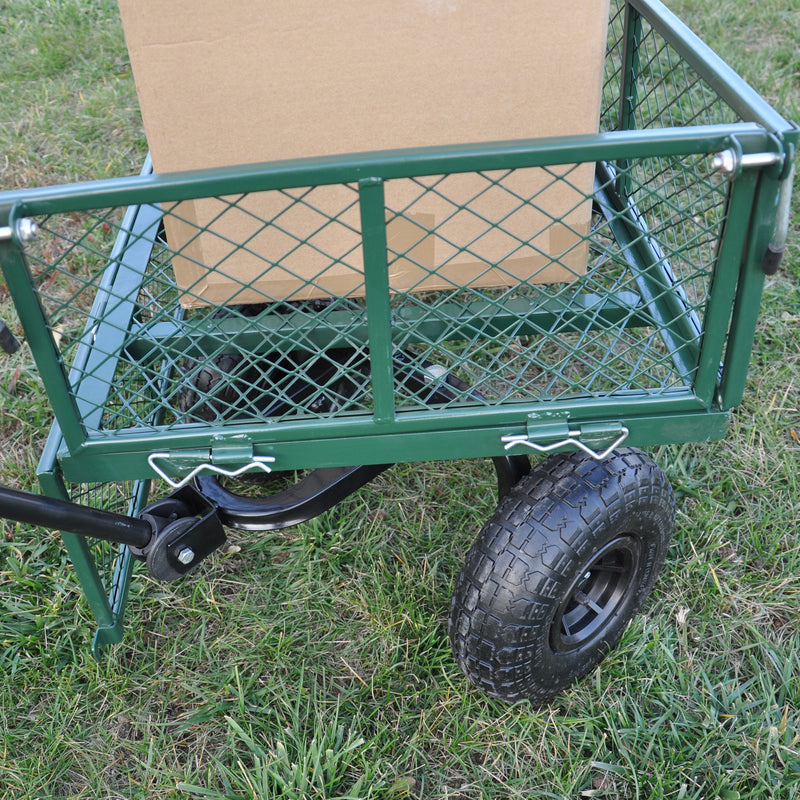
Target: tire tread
[[515, 572]]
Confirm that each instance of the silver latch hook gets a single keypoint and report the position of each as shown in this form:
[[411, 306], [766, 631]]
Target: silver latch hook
[[512, 440], [258, 462]]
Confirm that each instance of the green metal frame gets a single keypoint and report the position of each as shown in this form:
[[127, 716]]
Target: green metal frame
[[710, 354], [388, 435], [106, 590]]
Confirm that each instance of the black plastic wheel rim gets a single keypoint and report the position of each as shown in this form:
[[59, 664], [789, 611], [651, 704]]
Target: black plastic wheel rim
[[596, 596]]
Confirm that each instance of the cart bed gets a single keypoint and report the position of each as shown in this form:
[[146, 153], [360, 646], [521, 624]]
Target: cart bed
[[649, 346]]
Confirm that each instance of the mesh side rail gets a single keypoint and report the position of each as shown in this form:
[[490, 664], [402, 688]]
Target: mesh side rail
[[733, 92], [67, 267], [660, 74], [649, 84]]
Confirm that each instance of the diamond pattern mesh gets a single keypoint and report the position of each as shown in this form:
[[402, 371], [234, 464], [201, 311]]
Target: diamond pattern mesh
[[114, 497], [668, 92], [506, 286]]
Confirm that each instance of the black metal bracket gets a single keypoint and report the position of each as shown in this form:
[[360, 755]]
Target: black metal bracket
[[318, 491], [8, 342], [186, 529], [313, 494], [321, 489], [510, 470]]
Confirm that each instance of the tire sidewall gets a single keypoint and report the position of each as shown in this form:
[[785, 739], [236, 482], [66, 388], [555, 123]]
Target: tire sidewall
[[529, 557], [560, 669]]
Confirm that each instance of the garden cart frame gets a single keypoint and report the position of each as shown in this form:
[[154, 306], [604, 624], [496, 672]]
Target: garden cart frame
[[650, 345]]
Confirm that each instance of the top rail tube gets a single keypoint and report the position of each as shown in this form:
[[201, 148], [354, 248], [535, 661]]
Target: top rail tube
[[387, 165]]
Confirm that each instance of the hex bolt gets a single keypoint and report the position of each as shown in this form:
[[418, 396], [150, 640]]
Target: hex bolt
[[725, 161], [728, 161], [186, 555], [26, 229]]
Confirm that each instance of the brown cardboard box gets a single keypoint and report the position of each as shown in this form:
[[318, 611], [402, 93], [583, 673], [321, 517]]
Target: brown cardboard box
[[245, 81]]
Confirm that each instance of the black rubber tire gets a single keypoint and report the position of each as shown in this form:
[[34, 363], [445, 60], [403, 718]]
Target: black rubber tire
[[222, 395], [556, 574]]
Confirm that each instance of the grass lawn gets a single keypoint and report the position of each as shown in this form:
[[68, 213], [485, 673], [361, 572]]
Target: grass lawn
[[314, 662]]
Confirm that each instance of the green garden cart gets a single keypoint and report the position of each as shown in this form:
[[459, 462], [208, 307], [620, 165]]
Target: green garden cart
[[177, 418]]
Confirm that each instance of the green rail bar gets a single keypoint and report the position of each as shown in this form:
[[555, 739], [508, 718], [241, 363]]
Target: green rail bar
[[723, 286], [376, 280], [611, 146], [120, 582], [107, 600], [406, 445], [745, 311], [628, 99], [359, 440], [52, 483]]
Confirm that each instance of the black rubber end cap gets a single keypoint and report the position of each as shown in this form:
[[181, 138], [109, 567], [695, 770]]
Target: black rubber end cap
[[772, 260]]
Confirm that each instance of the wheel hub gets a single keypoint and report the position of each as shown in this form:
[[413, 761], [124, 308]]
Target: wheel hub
[[600, 589]]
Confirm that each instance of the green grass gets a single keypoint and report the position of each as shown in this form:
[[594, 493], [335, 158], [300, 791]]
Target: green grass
[[314, 662]]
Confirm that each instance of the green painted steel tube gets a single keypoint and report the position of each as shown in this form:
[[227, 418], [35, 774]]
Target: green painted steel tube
[[107, 602], [37, 332], [106, 635], [630, 67], [400, 445], [124, 456], [77, 546], [119, 589], [387, 165], [723, 284], [376, 280], [746, 308], [628, 95]]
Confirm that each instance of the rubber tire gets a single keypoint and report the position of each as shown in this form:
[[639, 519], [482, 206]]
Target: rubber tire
[[528, 567]]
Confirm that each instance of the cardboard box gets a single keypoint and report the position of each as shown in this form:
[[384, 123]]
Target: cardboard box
[[237, 82]]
